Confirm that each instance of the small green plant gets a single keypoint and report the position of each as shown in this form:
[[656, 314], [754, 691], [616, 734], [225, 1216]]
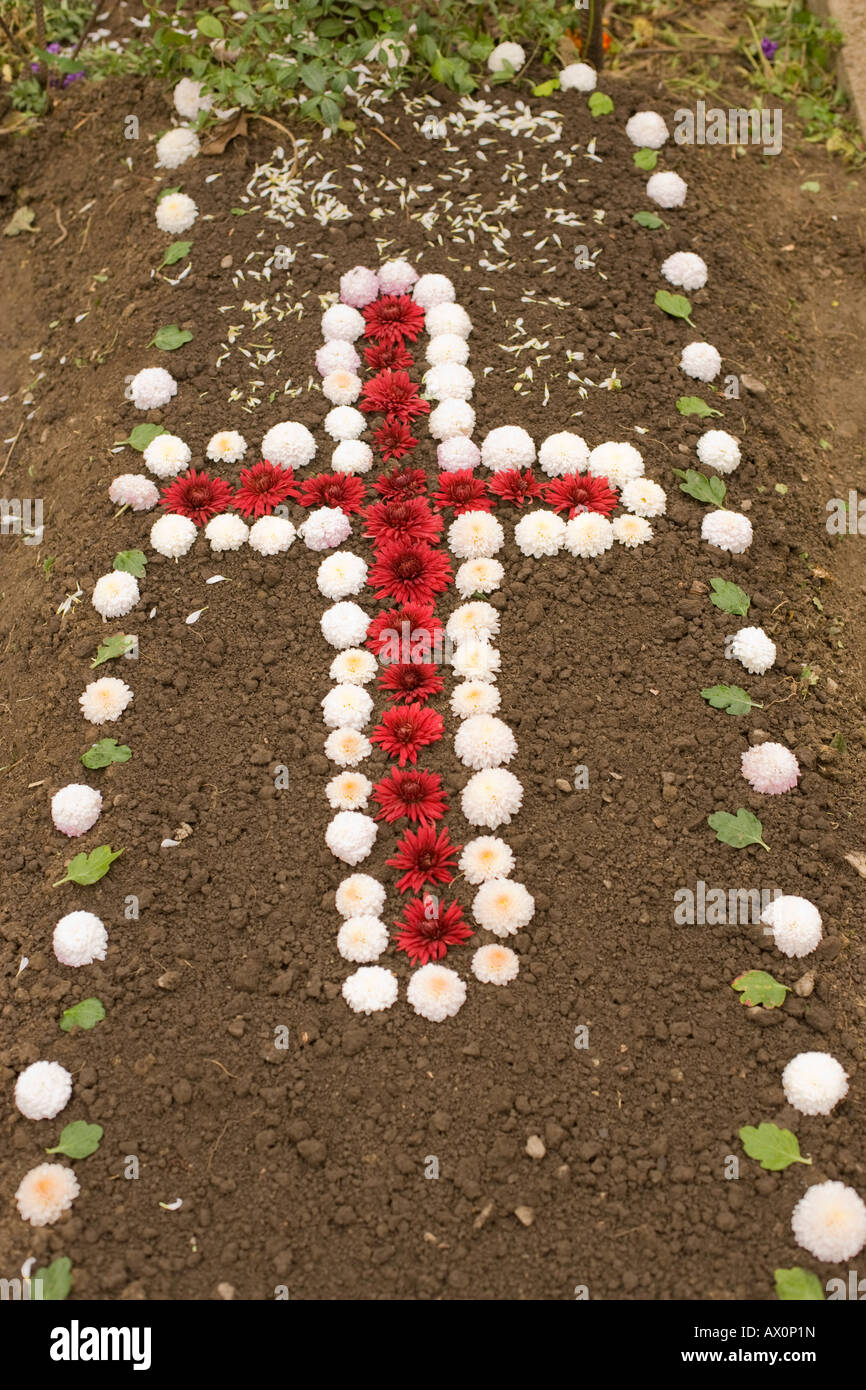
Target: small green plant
[[106, 752], [729, 597], [85, 1015], [732, 698], [89, 868], [738, 830]]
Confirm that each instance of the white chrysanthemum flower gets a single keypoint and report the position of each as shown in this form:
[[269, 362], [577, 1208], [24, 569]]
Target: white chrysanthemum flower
[[337, 356], [173, 535], [503, 906], [345, 422], [795, 924], [436, 993], [79, 939], [347, 707], [115, 594], [362, 939], [631, 531], [397, 277], [476, 661], [508, 446], [175, 213], [490, 798], [272, 535], [727, 530], [188, 99], [578, 77], [347, 747], [176, 147], [475, 535], [478, 619], [152, 388], [228, 531], [667, 189], [830, 1222], [564, 452], [484, 741], [588, 535], [104, 701], [325, 528], [701, 361], [753, 649], [495, 964], [43, 1090], [343, 323], [644, 497], [352, 456], [451, 418], [133, 490], [540, 533], [447, 348], [647, 130], [228, 446], [474, 697], [456, 453], [75, 809], [289, 444], [449, 382], [349, 791], [720, 450], [619, 463], [354, 666], [685, 270], [167, 455], [431, 290], [484, 858], [371, 989], [506, 55], [359, 286], [350, 836], [45, 1193], [341, 574], [814, 1082], [482, 576], [770, 768], [341, 387], [344, 624], [447, 318], [360, 895]]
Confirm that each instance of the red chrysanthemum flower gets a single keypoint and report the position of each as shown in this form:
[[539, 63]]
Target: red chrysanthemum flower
[[401, 519], [332, 490], [262, 488], [411, 680], [428, 928], [198, 496], [411, 633], [394, 395], [411, 792], [392, 318], [463, 492], [410, 572], [580, 492], [388, 354], [424, 857], [510, 485], [402, 482], [406, 729], [394, 439]]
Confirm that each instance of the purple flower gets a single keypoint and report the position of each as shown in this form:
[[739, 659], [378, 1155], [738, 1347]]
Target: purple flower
[[768, 48]]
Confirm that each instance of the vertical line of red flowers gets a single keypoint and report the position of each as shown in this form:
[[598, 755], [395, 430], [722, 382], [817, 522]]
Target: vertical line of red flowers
[[409, 571]]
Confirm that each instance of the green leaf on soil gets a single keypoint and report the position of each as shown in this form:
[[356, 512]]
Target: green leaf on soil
[[738, 831], [142, 435], [600, 104], [646, 159], [175, 253], [78, 1140], [21, 221], [166, 193], [85, 1015], [693, 405], [106, 752], [113, 646], [729, 597], [702, 488], [798, 1285], [55, 1280], [774, 1148], [170, 338], [546, 89], [732, 698], [674, 304], [132, 562], [757, 987], [810, 186], [89, 868], [648, 219]]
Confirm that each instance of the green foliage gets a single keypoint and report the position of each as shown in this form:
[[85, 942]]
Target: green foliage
[[55, 1279], [674, 304], [648, 219], [732, 698], [142, 435], [703, 489], [757, 987], [85, 1015], [132, 561], [89, 868], [175, 253], [113, 646], [774, 1148], [78, 1140], [600, 104], [170, 338], [646, 159], [105, 752], [729, 597], [798, 1285], [738, 831], [693, 405]]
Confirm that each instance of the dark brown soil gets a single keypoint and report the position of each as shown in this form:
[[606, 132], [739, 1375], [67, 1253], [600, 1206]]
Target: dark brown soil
[[305, 1167]]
